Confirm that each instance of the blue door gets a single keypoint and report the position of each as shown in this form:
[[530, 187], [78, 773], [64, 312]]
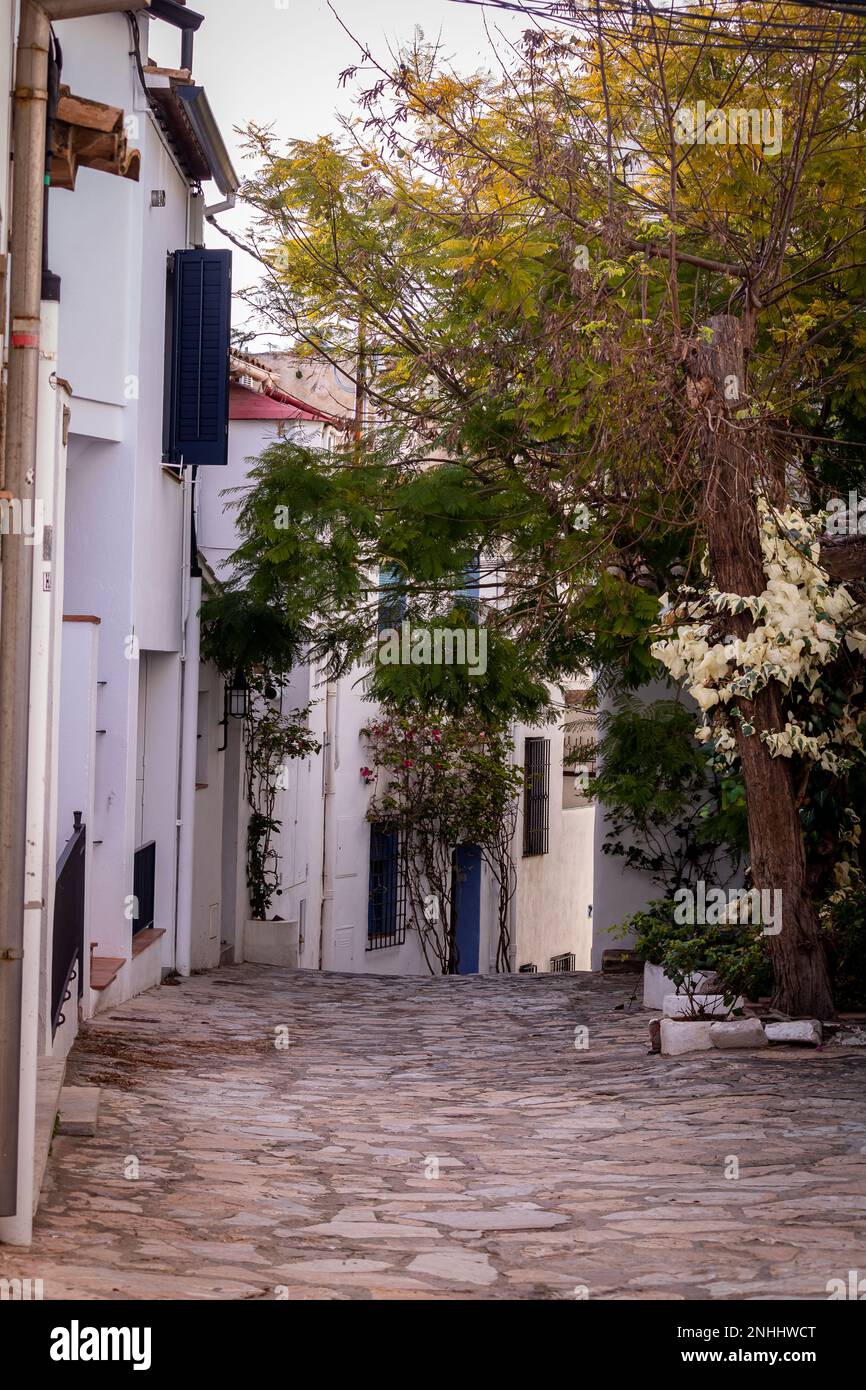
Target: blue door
[[468, 899]]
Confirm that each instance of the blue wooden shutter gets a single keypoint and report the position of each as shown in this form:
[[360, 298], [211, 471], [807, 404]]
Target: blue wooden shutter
[[200, 357]]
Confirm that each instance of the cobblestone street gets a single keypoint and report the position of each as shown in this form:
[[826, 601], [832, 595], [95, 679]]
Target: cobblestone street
[[310, 1171]]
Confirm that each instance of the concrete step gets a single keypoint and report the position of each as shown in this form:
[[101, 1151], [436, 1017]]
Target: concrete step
[[78, 1110]]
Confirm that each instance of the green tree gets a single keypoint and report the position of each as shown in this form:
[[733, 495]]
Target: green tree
[[547, 293]]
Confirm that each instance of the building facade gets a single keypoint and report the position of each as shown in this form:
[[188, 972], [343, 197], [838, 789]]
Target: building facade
[[123, 783], [342, 897]]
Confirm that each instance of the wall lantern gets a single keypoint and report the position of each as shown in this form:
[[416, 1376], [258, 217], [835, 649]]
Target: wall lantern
[[238, 696]]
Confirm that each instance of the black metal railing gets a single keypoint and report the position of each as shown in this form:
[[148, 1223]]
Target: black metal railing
[[561, 965], [67, 952], [144, 886]]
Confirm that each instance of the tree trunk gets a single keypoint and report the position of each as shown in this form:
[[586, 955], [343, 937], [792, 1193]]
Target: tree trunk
[[716, 381]]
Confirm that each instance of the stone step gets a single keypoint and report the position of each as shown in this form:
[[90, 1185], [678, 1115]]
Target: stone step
[[104, 969], [78, 1110], [620, 962]]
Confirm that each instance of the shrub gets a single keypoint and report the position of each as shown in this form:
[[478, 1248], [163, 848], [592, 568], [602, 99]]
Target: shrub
[[735, 953], [844, 923]]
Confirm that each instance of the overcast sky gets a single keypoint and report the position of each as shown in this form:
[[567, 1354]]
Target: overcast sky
[[278, 61]]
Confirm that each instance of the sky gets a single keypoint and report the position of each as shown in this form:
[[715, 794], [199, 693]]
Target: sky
[[278, 62]]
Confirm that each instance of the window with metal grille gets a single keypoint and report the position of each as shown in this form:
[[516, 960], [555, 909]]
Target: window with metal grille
[[527, 969], [561, 964], [392, 601], [386, 910], [536, 796]]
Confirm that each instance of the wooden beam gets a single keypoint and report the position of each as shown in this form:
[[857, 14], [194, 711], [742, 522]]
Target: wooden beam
[[80, 9]]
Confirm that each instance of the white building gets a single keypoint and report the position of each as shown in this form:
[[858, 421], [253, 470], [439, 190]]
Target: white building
[[124, 780], [331, 858], [122, 788]]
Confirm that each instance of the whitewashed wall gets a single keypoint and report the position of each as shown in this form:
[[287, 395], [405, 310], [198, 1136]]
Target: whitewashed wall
[[325, 837], [554, 890], [126, 516], [210, 774]]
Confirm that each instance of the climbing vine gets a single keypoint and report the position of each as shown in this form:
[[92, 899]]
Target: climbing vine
[[271, 739]]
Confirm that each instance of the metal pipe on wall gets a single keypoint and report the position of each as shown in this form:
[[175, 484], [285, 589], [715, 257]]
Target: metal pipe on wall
[[30, 117], [187, 734], [17, 1229]]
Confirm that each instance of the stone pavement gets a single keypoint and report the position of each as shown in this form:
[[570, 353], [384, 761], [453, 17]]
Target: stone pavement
[[228, 1165]]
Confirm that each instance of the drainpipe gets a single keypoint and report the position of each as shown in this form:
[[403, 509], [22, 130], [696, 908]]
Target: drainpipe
[[226, 205], [17, 1230], [326, 916], [188, 746], [187, 44], [31, 96]]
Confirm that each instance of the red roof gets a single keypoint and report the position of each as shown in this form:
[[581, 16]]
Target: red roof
[[245, 404]]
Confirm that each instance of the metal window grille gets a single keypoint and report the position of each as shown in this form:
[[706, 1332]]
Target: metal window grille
[[561, 965], [386, 911], [527, 970], [392, 602], [536, 796]]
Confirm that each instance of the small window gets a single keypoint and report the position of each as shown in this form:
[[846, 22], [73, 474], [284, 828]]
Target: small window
[[392, 602], [536, 796], [202, 739], [469, 596], [386, 911], [578, 752]]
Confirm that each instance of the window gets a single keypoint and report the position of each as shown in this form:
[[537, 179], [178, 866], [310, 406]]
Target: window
[[392, 603], [144, 886], [386, 911], [199, 321], [536, 796], [562, 965], [469, 597], [202, 739], [578, 752]]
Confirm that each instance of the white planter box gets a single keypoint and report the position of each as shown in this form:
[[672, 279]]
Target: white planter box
[[272, 943], [656, 985], [710, 1005]]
